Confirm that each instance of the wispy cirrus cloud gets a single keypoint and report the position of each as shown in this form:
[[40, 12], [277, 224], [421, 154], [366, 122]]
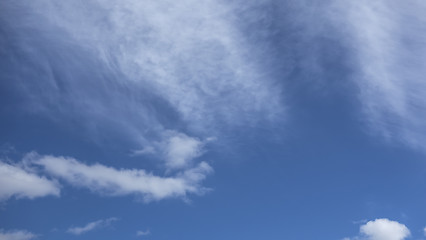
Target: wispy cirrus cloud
[[92, 226], [386, 38], [167, 62], [16, 181], [135, 72]]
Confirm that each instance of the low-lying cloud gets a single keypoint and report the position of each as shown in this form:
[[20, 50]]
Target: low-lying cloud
[[382, 229], [16, 235], [18, 182], [26, 180], [110, 181]]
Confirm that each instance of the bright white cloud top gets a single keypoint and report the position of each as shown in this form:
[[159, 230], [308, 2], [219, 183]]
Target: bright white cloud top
[[383, 229]]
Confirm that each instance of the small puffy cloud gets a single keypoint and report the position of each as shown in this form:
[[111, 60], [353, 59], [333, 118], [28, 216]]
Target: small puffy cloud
[[385, 229], [181, 149], [20, 183], [16, 235], [382, 229], [91, 226], [117, 182], [176, 149], [142, 233]]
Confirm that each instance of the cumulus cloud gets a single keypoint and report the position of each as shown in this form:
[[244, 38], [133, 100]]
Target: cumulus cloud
[[382, 229], [116, 182], [16, 235], [91, 226], [16, 181], [386, 37]]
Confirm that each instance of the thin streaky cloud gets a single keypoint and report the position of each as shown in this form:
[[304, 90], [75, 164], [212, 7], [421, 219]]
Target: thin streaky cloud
[[110, 181], [387, 41], [142, 233], [91, 226]]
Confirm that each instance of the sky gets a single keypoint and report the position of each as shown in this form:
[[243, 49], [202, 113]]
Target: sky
[[212, 119]]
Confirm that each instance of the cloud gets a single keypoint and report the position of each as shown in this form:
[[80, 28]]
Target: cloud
[[142, 233], [117, 182], [17, 182], [181, 149], [160, 77], [177, 150], [91, 226], [382, 229], [386, 38], [16, 235], [171, 64]]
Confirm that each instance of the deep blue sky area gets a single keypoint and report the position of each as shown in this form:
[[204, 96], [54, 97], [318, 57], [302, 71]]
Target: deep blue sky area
[[212, 119]]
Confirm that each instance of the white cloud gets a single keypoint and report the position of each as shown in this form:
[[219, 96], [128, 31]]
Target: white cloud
[[110, 181], [16, 235], [387, 38], [166, 61], [17, 182], [383, 229], [181, 149], [142, 233], [91, 226], [176, 149]]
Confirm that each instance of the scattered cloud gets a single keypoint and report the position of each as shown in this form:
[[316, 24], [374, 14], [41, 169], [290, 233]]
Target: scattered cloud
[[91, 226], [386, 37], [16, 235], [179, 150], [16, 181], [115, 182], [382, 229], [143, 233]]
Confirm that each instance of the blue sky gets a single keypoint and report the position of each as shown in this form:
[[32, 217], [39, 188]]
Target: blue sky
[[212, 119]]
